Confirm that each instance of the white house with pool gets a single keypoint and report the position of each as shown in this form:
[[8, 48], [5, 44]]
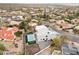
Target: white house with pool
[[42, 33]]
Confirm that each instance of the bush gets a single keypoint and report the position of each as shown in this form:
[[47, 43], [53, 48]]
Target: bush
[[32, 42], [22, 25], [1, 52], [2, 48], [30, 33], [76, 31], [77, 14], [18, 34]]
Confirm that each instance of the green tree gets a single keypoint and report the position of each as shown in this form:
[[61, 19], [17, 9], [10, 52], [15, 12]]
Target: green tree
[[77, 14], [18, 34], [68, 20], [2, 47], [23, 25]]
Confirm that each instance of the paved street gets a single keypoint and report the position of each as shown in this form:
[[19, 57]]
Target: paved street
[[69, 35]]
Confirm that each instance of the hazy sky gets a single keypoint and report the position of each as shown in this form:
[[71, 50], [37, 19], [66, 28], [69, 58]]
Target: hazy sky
[[39, 1]]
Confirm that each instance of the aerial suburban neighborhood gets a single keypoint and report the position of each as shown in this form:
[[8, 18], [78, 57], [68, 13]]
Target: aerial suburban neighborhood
[[39, 29]]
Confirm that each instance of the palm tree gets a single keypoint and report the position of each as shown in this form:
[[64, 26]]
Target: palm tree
[[58, 42], [23, 25]]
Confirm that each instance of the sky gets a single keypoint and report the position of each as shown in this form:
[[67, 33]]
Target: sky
[[39, 1]]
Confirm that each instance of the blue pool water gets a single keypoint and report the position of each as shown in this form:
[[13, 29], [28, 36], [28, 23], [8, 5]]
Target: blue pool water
[[31, 37]]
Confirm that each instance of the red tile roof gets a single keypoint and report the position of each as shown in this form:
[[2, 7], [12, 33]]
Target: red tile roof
[[8, 34], [15, 29]]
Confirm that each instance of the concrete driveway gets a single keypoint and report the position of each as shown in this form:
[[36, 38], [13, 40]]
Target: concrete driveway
[[44, 44]]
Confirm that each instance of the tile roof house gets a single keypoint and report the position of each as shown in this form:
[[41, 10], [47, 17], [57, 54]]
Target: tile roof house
[[75, 21], [67, 26], [7, 33], [62, 24]]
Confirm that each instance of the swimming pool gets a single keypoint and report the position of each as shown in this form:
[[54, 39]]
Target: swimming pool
[[31, 37]]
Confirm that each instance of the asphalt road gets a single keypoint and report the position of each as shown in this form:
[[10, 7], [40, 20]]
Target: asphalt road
[[72, 37]]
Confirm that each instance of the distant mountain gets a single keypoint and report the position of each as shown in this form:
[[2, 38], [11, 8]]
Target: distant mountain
[[20, 5]]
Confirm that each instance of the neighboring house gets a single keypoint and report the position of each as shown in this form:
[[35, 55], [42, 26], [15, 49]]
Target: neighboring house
[[63, 25], [14, 22], [32, 24], [7, 33], [43, 33], [60, 22], [68, 49], [75, 21], [67, 26], [72, 46], [76, 27], [9, 19], [17, 18], [6, 19], [52, 20]]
